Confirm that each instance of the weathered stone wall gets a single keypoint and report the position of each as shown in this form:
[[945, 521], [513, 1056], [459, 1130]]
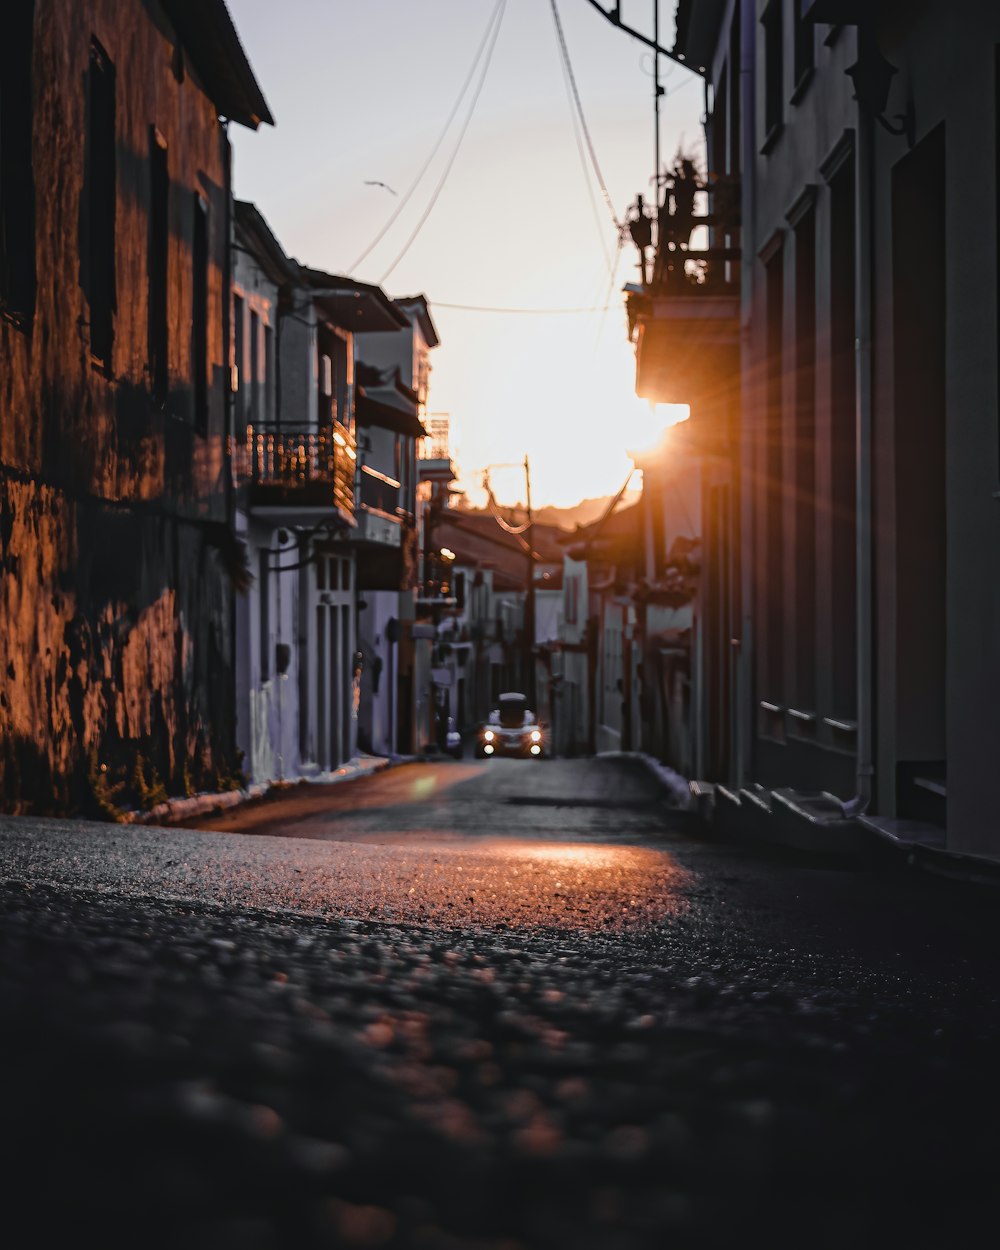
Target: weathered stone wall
[[115, 610]]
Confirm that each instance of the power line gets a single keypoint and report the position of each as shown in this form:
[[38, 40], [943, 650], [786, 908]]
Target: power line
[[434, 151], [501, 8], [579, 147], [547, 312], [611, 284], [583, 121]]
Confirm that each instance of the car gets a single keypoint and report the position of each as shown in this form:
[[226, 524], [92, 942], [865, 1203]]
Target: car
[[511, 729]]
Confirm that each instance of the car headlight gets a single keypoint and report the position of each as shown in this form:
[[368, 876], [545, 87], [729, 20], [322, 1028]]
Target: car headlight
[[488, 736], [536, 735]]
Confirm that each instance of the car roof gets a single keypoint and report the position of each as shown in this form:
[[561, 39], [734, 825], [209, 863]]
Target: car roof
[[514, 694]]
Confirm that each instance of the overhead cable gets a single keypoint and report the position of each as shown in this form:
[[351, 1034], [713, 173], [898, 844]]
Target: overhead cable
[[579, 147], [547, 312], [583, 121], [497, 23], [440, 139]]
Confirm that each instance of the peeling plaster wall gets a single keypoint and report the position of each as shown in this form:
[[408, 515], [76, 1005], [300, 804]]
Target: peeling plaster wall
[[115, 611]]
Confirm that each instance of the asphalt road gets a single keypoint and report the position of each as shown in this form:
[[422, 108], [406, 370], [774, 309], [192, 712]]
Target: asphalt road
[[487, 1007]]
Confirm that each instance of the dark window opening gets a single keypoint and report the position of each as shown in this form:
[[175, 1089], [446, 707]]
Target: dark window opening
[[199, 315], [100, 200], [17, 186], [720, 125], [239, 364], [735, 122], [774, 652], [334, 377], [774, 70], [920, 240], [267, 381], [159, 235], [460, 591], [264, 620], [255, 413], [805, 462], [805, 46], [843, 437]]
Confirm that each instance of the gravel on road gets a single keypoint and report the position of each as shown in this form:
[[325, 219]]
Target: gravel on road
[[263, 1042]]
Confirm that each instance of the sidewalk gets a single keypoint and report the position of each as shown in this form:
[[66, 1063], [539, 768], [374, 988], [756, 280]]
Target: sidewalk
[[176, 809], [818, 825]]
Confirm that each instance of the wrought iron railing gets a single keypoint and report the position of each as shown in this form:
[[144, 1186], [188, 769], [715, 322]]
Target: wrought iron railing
[[303, 461]]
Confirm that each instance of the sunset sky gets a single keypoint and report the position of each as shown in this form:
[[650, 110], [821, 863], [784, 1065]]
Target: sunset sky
[[361, 91]]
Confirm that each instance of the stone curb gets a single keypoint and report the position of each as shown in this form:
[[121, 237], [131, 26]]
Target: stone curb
[[200, 804], [676, 786]]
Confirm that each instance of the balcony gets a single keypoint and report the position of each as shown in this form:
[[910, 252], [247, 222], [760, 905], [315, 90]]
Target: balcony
[[684, 316], [301, 473], [384, 539], [686, 345], [378, 517]]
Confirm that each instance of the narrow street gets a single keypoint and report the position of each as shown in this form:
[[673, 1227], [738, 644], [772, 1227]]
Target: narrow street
[[503, 1005]]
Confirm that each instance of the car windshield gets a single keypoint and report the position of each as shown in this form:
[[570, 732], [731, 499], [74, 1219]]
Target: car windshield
[[512, 709]]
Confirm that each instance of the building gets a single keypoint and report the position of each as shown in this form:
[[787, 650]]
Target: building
[[116, 549], [846, 542], [295, 397], [624, 659], [482, 648], [393, 374]]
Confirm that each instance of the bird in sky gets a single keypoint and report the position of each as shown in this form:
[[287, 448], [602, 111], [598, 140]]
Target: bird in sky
[[371, 182]]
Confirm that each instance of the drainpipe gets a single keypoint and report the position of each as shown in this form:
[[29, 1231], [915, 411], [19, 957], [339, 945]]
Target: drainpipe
[[864, 205]]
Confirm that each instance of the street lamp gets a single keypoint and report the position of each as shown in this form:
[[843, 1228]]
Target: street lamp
[[872, 77]]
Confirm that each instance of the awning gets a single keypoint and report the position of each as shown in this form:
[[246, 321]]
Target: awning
[[369, 410]]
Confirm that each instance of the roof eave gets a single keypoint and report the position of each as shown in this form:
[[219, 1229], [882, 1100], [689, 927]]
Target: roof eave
[[210, 40]]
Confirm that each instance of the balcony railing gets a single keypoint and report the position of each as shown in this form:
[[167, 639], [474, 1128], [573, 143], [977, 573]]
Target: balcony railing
[[302, 465], [378, 491]]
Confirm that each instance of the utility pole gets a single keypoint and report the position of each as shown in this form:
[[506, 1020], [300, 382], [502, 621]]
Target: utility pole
[[529, 600]]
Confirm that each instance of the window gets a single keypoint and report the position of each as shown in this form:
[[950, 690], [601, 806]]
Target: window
[[735, 162], [774, 70], [239, 349], [159, 235], [843, 439], [254, 368], [17, 187], [572, 600], [199, 315], [100, 200], [264, 619], [720, 124], [335, 377], [774, 496], [460, 591], [805, 461], [269, 378], [804, 49]]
